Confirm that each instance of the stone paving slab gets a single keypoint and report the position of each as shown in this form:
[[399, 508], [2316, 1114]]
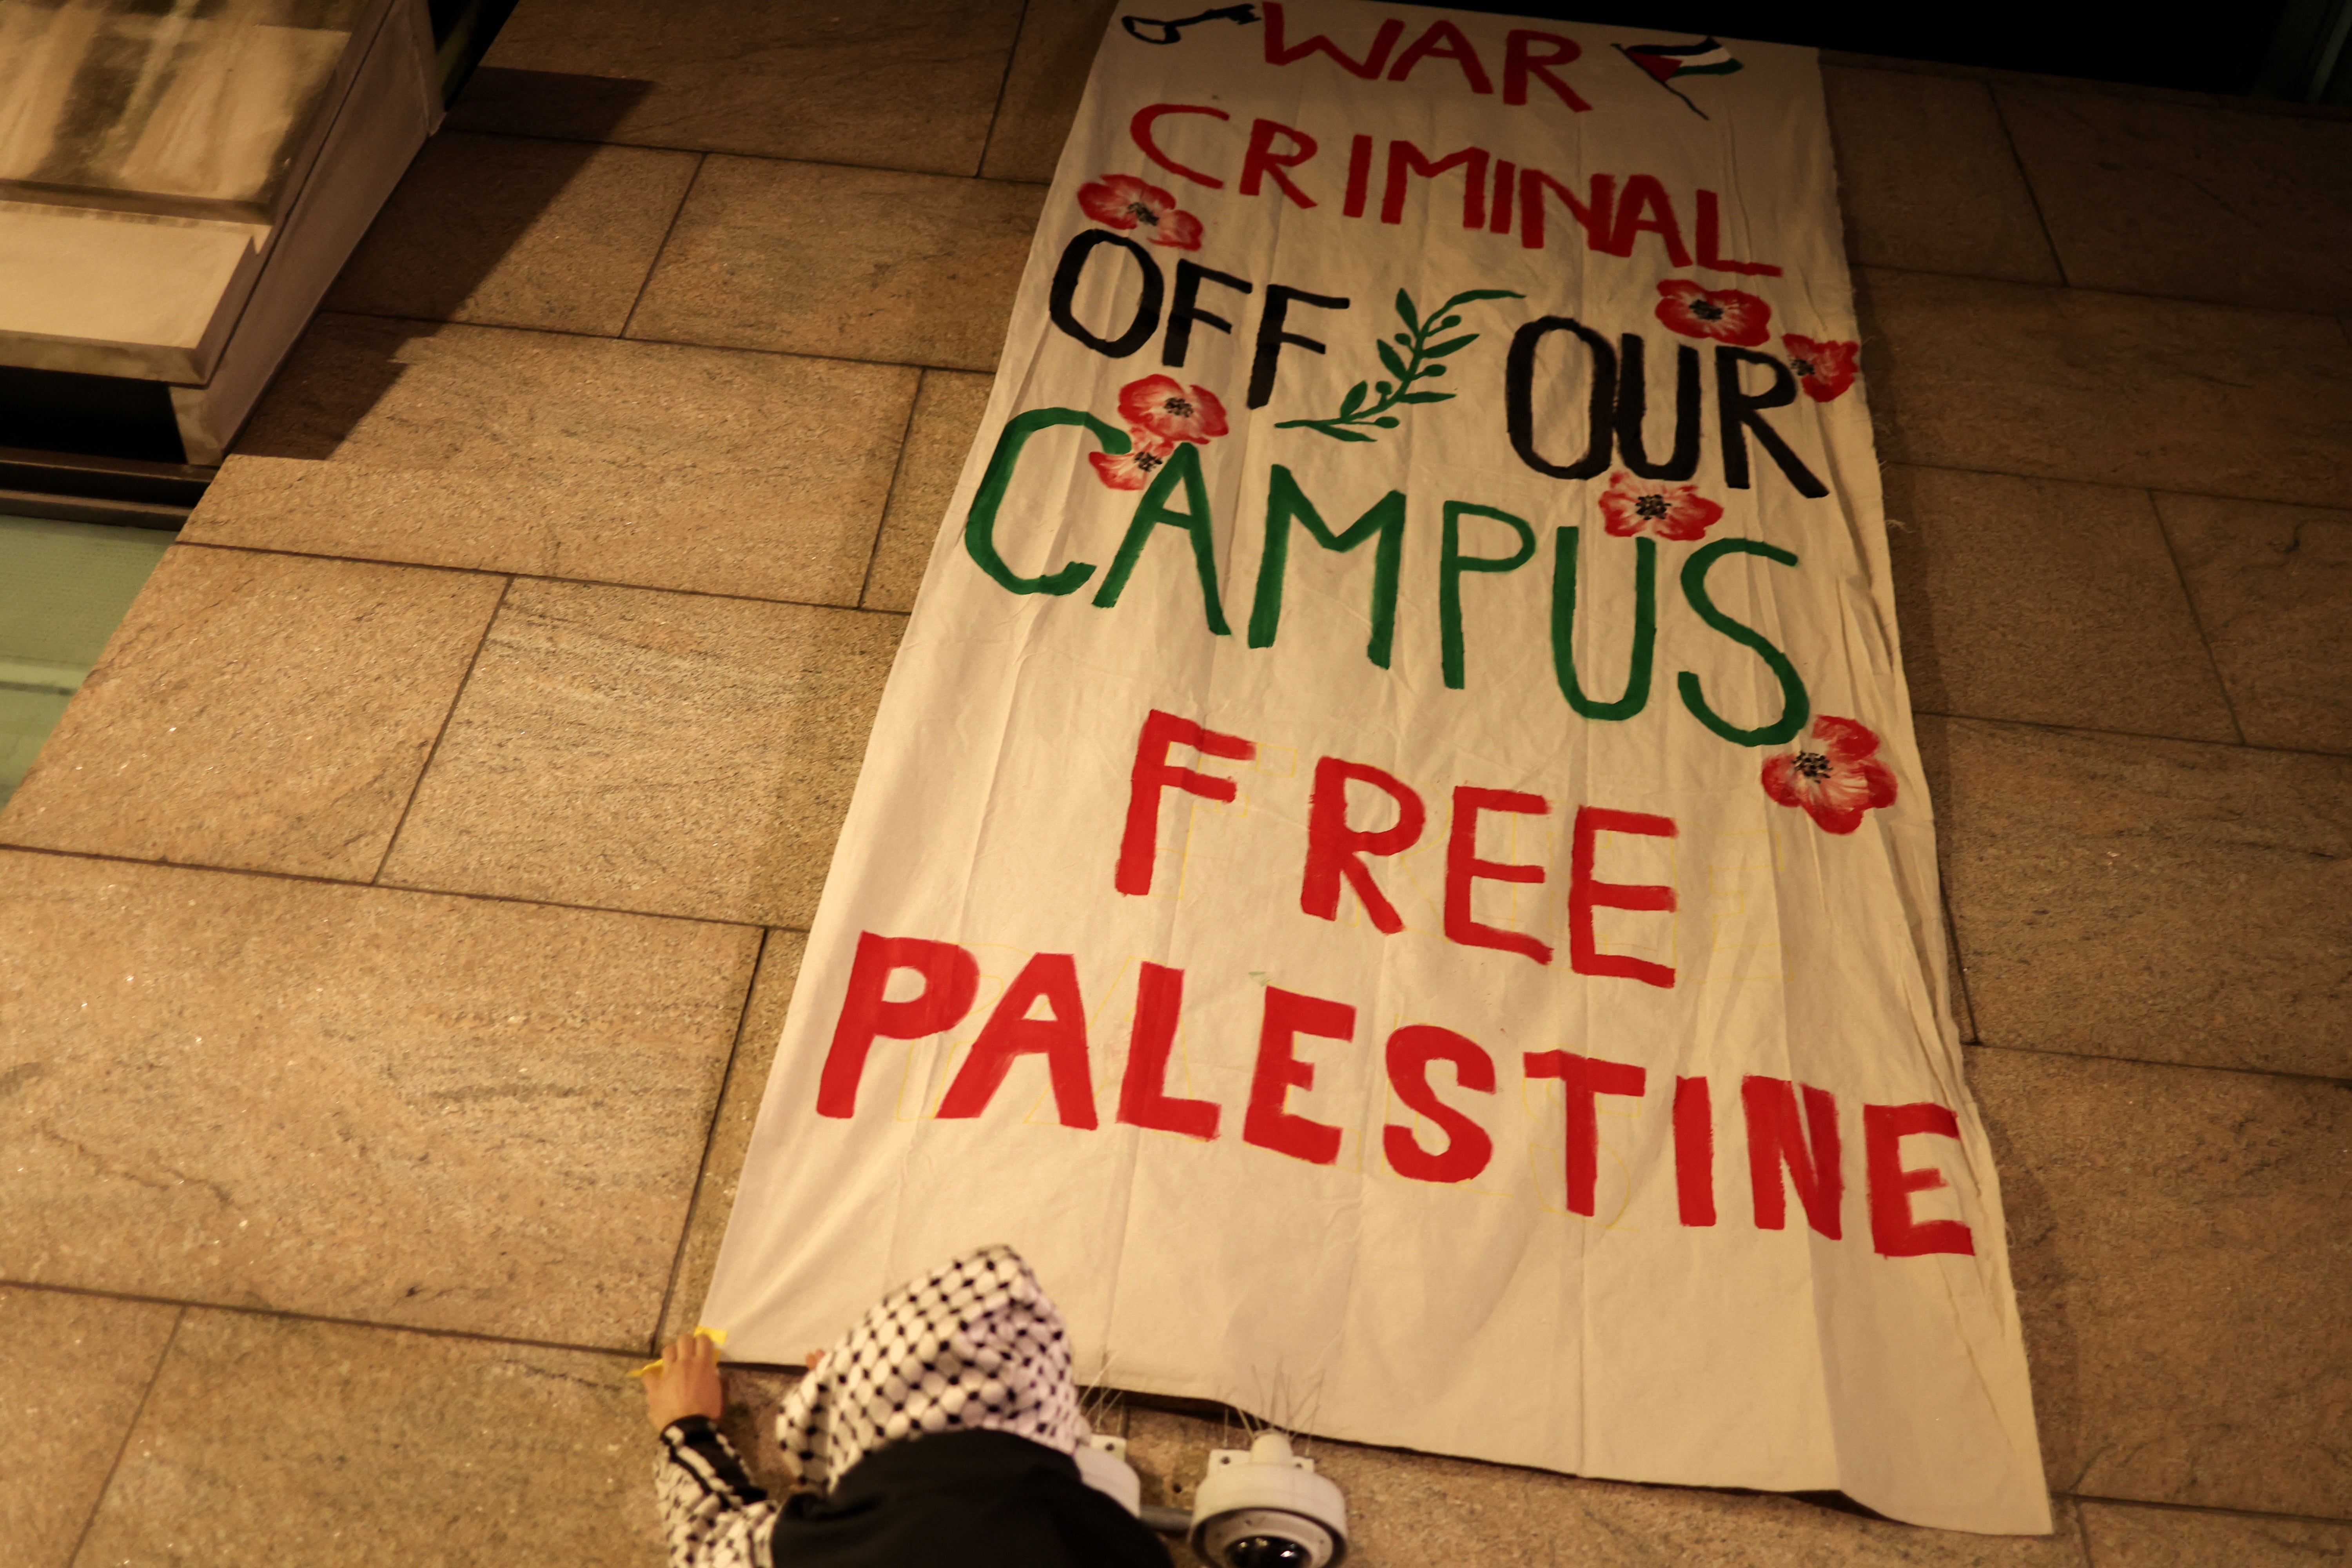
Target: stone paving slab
[[2150, 197], [849, 263], [261, 712], [667, 752], [1927, 179], [2121, 897], [514, 231], [2046, 602], [2177, 1242], [2113, 389], [2272, 587], [751, 474], [280, 1442], [74, 1369], [351, 1101]]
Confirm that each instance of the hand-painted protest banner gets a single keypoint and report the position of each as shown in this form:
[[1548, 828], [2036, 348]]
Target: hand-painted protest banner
[[1393, 864]]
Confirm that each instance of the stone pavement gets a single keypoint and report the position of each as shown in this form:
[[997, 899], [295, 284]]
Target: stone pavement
[[394, 934]]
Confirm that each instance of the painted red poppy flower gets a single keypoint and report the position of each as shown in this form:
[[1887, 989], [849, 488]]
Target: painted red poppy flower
[[1823, 369], [1133, 469], [1725, 315], [1631, 506], [1171, 411], [1834, 773], [1123, 202]]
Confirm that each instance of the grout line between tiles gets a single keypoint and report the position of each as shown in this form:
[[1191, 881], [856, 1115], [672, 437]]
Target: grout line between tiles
[[2132, 735], [2108, 290], [2196, 618], [897, 471], [2338, 1520], [2100, 484], [669, 342], [2081, 1531], [1959, 962], [710, 1137], [1004, 84], [2100, 86], [2159, 493], [472, 662], [560, 904], [508, 898], [747, 157], [989, 369], [187, 1305], [2199, 302], [2320, 1078], [130, 1428], [2017, 159], [536, 577], [700, 162]]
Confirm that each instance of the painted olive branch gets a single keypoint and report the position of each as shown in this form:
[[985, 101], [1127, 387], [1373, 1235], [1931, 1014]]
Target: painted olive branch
[[1418, 362]]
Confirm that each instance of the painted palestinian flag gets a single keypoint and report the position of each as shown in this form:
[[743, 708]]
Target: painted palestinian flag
[[1667, 61]]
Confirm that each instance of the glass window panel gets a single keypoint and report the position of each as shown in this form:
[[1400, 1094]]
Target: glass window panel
[[64, 587]]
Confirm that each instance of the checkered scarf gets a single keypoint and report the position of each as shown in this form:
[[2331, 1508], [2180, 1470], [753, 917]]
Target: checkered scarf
[[974, 1346]]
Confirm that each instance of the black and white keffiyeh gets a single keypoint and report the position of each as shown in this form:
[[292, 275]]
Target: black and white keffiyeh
[[974, 1346], [712, 1515]]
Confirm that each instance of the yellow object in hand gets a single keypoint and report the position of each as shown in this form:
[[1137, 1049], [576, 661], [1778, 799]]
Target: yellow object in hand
[[702, 1331]]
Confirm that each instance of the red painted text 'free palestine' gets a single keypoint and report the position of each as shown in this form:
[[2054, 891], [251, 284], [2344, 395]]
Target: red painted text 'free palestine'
[[1793, 1131]]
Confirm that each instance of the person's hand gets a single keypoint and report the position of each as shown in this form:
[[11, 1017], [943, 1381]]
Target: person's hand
[[686, 1383]]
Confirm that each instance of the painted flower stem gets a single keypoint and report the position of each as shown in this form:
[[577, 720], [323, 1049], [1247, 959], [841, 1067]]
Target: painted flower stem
[[1418, 362]]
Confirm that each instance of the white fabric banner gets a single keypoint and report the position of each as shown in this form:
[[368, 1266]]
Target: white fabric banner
[[1393, 865]]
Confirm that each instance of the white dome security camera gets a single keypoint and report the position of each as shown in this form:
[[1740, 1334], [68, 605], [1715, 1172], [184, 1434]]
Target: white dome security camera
[[1266, 1508]]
